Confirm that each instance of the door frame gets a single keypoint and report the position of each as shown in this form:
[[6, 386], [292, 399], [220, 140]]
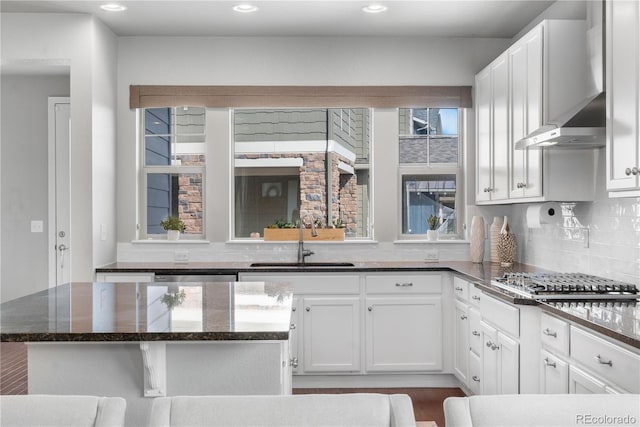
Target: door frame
[[52, 174]]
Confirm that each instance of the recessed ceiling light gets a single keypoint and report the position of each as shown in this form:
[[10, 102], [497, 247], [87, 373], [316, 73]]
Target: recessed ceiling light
[[113, 7], [245, 8], [374, 8]]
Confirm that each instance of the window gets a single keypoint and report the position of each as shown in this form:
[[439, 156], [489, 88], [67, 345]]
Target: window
[[281, 173], [430, 170], [173, 166]]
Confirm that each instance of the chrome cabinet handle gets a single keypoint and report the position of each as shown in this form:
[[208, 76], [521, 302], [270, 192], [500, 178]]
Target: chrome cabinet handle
[[548, 333], [476, 297], [521, 185], [475, 333], [458, 288], [635, 170], [463, 317], [370, 308], [404, 285], [293, 309], [487, 189], [489, 344], [308, 309], [627, 171], [292, 326], [293, 362], [547, 363], [603, 362], [494, 347], [475, 378]]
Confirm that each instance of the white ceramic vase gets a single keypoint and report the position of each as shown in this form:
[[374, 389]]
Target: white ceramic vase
[[432, 235], [173, 234], [476, 248]]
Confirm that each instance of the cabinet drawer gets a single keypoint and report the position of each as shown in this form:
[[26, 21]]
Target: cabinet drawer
[[125, 277], [554, 334], [403, 284], [608, 360], [475, 295], [334, 284], [502, 315], [460, 288], [475, 333]]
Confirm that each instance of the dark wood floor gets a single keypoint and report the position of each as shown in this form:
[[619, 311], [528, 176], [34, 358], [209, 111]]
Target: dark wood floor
[[427, 402]]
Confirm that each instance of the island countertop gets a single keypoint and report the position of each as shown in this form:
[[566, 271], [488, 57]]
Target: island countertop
[[210, 311]]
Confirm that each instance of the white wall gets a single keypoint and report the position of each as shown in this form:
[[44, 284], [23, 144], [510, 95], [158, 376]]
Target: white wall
[[89, 48], [24, 192]]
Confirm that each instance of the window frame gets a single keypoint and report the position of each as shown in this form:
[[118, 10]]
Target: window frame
[[407, 169], [146, 170]]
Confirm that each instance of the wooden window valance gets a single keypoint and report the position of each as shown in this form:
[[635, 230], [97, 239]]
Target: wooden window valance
[[300, 96]]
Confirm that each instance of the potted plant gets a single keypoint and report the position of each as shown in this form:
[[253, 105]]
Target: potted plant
[[174, 227], [434, 223]]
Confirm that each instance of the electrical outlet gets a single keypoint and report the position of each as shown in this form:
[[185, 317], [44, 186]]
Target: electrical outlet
[[181, 255], [431, 255], [37, 226]]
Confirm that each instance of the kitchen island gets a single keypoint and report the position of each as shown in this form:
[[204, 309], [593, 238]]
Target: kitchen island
[[142, 340]]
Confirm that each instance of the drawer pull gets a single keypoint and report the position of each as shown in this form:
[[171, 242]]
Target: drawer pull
[[475, 378], [495, 347], [370, 308], [489, 344], [458, 288], [475, 333], [463, 317], [308, 309], [292, 326], [602, 362], [293, 309], [293, 362], [404, 285], [547, 363], [476, 297], [548, 333]]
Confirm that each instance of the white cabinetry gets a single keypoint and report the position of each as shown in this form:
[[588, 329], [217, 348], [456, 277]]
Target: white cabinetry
[[461, 341], [125, 277], [540, 77], [500, 362], [403, 322], [554, 365], [623, 98], [554, 374], [467, 350], [492, 134]]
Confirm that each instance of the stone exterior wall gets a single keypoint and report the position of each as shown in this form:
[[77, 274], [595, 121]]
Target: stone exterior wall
[[190, 195]]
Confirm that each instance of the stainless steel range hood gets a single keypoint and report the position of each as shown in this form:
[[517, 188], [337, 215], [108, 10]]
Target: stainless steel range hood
[[582, 127]]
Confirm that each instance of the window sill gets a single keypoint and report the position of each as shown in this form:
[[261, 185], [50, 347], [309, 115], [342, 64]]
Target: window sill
[[315, 242], [170, 242], [437, 242]]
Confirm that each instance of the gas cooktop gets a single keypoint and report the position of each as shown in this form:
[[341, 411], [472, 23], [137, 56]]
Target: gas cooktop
[[565, 286]]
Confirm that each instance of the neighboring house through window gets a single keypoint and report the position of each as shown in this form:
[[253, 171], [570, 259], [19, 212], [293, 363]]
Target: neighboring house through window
[[430, 170]]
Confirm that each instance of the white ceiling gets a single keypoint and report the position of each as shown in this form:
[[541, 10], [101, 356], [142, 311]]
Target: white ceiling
[[448, 18]]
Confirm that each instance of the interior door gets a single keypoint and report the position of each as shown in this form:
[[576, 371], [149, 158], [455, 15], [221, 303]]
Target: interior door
[[59, 191]]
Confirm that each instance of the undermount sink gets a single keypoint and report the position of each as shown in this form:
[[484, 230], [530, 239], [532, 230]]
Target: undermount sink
[[302, 265]]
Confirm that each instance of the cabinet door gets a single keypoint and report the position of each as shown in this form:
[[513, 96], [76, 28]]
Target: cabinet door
[[500, 120], [331, 334], [508, 365], [554, 374], [294, 339], [582, 383], [403, 334], [623, 94], [484, 165], [475, 336], [461, 342], [525, 66], [489, 358], [475, 373]]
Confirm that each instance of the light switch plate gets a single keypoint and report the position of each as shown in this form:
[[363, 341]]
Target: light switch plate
[[37, 226], [431, 255]]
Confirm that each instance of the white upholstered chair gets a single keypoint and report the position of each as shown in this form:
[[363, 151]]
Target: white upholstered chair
[[364, 409], [548, 410], [49, 410]]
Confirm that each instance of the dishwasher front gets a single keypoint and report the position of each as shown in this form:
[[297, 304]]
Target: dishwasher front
[[195, 278]]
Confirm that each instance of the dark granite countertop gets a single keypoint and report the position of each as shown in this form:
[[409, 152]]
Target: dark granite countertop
[[211, 311]]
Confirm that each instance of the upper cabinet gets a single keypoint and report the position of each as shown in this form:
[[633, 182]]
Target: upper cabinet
[[623, 98], [540, 77]]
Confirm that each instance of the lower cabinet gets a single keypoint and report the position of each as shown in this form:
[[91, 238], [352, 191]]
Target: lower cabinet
[[581, 382], [461, 341], [500, 362], [331, 337], [403, 334], [554, 374], [475, 373]]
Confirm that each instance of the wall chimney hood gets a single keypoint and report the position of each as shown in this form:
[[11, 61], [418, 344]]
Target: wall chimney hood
[[582, 127]]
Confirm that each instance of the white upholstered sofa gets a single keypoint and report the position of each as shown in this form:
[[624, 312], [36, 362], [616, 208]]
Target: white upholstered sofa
[[548, 410], [364, 409], [58, 411]]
